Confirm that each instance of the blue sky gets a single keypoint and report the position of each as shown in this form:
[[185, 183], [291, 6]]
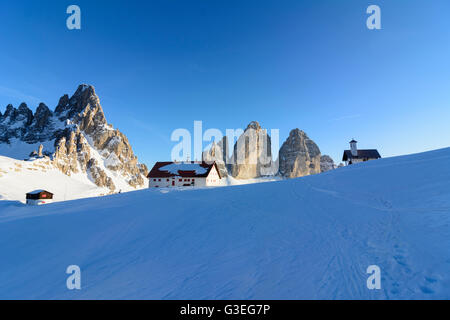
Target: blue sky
[[160, 65]]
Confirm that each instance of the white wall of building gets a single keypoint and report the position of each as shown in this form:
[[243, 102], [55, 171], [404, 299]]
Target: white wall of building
[[213, 179], [176, 182], [357, 161], [38, 202]]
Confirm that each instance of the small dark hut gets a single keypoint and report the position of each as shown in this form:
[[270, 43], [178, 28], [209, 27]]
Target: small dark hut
[[38, 197]]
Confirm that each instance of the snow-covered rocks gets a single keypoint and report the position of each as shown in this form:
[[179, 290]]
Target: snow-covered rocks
[[18, 177], [78, 139]]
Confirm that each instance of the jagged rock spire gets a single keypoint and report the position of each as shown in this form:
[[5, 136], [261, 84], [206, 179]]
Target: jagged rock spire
[[252, 156], [84, 97], [299, 156]]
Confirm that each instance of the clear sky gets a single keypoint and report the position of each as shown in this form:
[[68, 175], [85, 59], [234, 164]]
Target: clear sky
[[158, 65]]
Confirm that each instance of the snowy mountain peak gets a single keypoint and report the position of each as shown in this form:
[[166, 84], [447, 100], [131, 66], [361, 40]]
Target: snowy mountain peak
[[83, 97], [77, 138]]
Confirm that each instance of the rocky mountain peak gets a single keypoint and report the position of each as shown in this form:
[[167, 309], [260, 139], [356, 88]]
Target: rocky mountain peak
[[10, 113], [327, 163], [82, 139], [63, 104], [24, 114], [41, 117], [297, 132], [23, 108], [84, 95], [83, 98], [253, 125], [252, 155], [42, 109], [299, 155]]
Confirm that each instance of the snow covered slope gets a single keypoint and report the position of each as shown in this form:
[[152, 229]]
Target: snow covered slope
[[311, 237], [19, 177]]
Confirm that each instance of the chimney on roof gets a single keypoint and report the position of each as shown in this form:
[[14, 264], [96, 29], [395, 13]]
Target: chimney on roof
[[353, 147]]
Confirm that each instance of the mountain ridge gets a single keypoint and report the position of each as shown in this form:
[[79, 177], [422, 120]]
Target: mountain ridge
[[76, 137]]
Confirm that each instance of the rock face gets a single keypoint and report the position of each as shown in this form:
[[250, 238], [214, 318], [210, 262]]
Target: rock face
[[83, 141], [299, 156], [14, 122], [216, 153], [41, 147], [252, 156], [327, 163], [41, 127]]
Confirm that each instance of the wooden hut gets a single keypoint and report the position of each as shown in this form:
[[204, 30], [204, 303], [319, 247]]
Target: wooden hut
[[38, 197]]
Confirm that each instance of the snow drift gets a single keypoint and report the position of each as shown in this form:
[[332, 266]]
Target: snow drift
[[306, 238]]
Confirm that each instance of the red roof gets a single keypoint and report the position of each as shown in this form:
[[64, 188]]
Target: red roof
[[192, 169]]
